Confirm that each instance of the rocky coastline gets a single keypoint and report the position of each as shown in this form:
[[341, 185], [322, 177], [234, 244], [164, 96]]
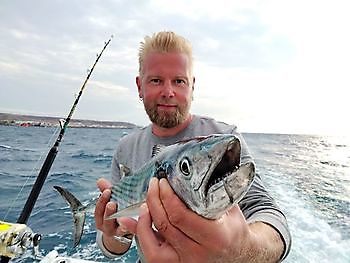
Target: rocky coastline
[[10, 119]]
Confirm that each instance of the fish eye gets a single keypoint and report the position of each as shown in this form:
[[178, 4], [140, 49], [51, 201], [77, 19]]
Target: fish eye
[[185, 166]]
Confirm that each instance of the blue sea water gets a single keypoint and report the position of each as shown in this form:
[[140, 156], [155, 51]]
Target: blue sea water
[[309, 176]]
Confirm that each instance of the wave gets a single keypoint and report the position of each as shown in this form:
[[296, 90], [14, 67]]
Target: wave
[[83, 155], [334, 164], [5, 146], [11, 148]]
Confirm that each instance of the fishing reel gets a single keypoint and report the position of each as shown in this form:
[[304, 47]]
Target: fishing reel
[[17, 239]]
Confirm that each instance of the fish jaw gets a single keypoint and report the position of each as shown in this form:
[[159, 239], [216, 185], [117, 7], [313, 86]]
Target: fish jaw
[[229, 191], [226, 182], [218, 180]]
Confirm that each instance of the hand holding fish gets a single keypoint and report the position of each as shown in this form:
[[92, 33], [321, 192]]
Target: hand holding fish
[[183, 236], [205, 172], [111, 228]]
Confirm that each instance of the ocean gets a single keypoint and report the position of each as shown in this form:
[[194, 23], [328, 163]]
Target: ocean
[[309, 176]]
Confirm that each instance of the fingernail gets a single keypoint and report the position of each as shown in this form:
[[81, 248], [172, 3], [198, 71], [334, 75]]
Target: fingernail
[[153, 181], [163, 184], [162, 181], [110, 206], [143, 209], [106, 193]]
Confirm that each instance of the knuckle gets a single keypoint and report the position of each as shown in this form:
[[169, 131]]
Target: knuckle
[[98, 219], [99, 205], [97, 210], [175, 219], [161, 226], [98, 213], [110, 228]]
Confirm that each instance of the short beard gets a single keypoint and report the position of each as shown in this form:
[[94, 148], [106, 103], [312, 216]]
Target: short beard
[[166, 119]]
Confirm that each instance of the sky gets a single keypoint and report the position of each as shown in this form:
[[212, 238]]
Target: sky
[[265, 66]]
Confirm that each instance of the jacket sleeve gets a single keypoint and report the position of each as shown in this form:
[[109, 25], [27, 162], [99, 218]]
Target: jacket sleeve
[[258, 205], [115, 177]]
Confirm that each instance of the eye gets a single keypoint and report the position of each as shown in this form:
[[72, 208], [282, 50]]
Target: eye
[[185, 166], [155, 81], [180, 81]]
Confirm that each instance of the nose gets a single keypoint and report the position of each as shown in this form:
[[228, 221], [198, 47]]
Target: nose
[[168, 90]]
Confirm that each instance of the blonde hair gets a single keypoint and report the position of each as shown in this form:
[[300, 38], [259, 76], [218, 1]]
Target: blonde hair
[[164, 41]]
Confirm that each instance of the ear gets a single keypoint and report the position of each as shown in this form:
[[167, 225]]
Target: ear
[[139, 87], [193, 81]]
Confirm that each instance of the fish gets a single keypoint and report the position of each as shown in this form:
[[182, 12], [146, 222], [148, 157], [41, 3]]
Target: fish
[[205, 172]]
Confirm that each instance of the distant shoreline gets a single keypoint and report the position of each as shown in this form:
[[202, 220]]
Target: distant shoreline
[[9, 119]]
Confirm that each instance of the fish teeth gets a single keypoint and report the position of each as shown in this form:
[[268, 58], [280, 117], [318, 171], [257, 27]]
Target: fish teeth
[[217, 180]]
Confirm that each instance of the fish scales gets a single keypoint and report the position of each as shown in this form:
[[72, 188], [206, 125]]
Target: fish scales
[[132, 188], [205, 172]]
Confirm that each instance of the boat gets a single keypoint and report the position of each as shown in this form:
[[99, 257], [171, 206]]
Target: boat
[[53, 257]]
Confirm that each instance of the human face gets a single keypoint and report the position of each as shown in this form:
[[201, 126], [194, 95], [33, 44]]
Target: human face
[[166, 87]]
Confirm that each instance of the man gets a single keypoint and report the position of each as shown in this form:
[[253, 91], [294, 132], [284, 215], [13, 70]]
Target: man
[[254, 231]]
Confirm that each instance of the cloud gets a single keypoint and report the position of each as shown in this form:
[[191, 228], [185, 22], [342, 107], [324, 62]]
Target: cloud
[[263, 65]]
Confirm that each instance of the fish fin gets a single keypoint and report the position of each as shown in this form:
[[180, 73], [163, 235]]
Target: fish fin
[[157, 148], [124, 170], [78, 212], [130, 211], [79, 221]]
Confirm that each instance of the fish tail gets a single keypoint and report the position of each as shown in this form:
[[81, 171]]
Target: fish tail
[[78, 211]]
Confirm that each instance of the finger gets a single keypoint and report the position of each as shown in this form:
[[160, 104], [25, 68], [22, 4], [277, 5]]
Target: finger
[[128, 224], [152, 246], [155, 205], [103, 184], [198, 228], [144, 228], [172, 234], [101, 207], [110, 226]]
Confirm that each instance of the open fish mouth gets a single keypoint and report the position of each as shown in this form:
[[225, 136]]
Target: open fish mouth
[[228, 164]]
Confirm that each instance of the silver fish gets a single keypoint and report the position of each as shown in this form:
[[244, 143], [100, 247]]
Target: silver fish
[[205, 172]]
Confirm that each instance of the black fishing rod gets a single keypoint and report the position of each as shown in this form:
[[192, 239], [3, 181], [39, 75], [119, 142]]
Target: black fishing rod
[[33, 196]]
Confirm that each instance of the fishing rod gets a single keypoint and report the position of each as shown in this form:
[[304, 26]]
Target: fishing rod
[[33, 196]]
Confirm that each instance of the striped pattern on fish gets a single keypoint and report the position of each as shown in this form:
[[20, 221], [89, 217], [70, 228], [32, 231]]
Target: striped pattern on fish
[[205, 172]]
